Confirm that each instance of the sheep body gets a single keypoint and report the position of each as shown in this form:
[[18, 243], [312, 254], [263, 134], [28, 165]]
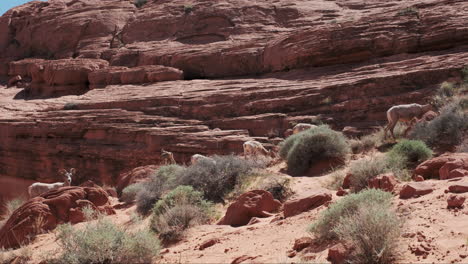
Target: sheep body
[[198, 157], [302, 127], [406, 113], [254, 148], [39, 188], [167, 157]]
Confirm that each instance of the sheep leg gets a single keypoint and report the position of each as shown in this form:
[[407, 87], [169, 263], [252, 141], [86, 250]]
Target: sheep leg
[[391, 128]]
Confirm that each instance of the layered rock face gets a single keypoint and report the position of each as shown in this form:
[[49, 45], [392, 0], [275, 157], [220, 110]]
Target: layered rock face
[[112, 84]]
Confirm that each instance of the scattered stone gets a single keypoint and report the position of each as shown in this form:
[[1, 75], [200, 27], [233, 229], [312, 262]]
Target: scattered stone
[[455, 201], [418, 178], [415, 189], [338, 253], [299, 205], [461, 187], [441, 167], [291, 253], [243, 258], [341, 192], [347, 181], [385, 182], [256, 203], [302, 243], [208, 243]]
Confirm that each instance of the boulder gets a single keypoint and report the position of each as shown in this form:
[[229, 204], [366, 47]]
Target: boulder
[[302, 243], [299, 205], [418, 178], [460, 187], [415, 189], [347, 181], [455, 201], [442, 166], [338, 253], [133, 176], [341, 192], [385, 182], [14, 80], [208, 243], [46, 211], [256, 203]]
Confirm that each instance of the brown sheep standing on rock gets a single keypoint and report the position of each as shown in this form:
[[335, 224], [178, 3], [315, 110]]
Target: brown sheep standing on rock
[[167, 157], [406, 113]]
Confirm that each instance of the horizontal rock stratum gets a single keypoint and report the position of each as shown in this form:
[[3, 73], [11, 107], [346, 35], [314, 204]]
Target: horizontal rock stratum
[[207, 79]]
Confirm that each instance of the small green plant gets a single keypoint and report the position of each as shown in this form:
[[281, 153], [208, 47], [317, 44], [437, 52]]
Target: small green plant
[[365, 169], [408, 11], [70, 106], [104, 242], [182, 195], [188, 9], [303, 149], [139, 3], [412, 151], [447, 129], [130, 192], [325, 227], [373, 231], [336, 180], [161, 181], [216, 179]]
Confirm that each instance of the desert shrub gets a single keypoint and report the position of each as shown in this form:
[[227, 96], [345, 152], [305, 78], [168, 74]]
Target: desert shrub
[[412, 151], [162, 180], [130, 192], [216, 179], [365, 169], [139, 3], [188, 9], [19, 256], [175, 220], [325, 226], [70, 106], [183, 195], [445, 130], [104, 242], [278, 187], [336, 180], [303, 149], [444, 94], [9, 207], [373, 231]]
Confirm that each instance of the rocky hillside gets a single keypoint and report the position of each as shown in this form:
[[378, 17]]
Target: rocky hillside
[[106, 85]]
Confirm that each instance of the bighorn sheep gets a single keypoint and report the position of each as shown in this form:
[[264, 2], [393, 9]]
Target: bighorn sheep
[[167, 157], [406, 113], [198, 157], [302, 127], [254, 148], [38, 188]]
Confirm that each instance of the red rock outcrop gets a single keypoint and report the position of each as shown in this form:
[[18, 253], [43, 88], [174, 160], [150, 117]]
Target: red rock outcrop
[[446, 166], [46, 211], [361, 67], [135, 175], [415, 189], [460, 187], [455, 201], [301, 243], [256, 203], [385, 182], [339, 253], [299, 205]]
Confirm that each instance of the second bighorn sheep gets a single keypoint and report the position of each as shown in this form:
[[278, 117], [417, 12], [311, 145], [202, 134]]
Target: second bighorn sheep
[[39, 187], [198, 157], [167, 157], [406, 113], [302, 127], [255, 148]]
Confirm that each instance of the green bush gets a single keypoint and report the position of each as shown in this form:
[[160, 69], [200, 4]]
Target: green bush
[[336, 180], [9, 207], [373, 231], [183, 195], [365, 169], [303, 149], [278, 187], [139, 3], [412, 151], [104, 242], [216, 179], [325, 227], [161, 181], [130, 192], [445, 130], [171, 225]]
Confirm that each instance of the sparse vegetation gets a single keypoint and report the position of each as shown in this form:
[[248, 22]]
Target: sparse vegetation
[[9, 207], [159, 182], [130, 192], [446, 129], [70, 106], [19, 256], [104, 242], [278, 187], [188, 9], [373, 230], [408, 11], [178, 210], [303, 149], [216, 179], [411, 151], [336, 180], [139, 3], [365, 169], [325, 227]]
